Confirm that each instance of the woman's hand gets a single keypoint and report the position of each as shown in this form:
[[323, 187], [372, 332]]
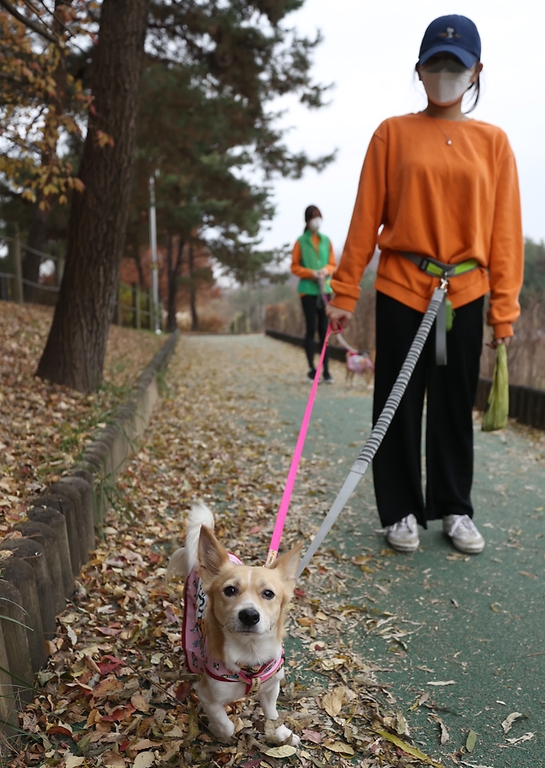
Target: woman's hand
[[338, 318], [496, 342]]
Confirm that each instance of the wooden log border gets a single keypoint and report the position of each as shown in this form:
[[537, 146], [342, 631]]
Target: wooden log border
[[526, 404], [68, 518]]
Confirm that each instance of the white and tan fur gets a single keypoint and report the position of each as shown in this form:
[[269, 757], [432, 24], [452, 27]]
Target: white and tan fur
[[232, 592]]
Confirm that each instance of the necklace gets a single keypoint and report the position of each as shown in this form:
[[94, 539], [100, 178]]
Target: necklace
[[447, 137]]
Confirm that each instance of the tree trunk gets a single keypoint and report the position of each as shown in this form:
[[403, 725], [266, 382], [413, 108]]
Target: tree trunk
[[173, 275], [75, 350], [192, 292]]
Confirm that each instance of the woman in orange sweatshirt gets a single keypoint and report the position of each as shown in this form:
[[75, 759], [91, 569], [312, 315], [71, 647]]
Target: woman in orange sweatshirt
[[445, 187], [313, 262]]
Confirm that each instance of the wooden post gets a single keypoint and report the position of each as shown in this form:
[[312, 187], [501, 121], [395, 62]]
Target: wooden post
[[13, 622], [136, 306], [21, 576], [31, 551], [138, 309], [151, 311], [119, 313], [55, 520], [16, 265], [44, 535], [8, 710]]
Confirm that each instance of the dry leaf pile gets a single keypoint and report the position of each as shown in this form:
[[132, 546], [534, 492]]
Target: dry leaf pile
[[116, 692], [44, 426]]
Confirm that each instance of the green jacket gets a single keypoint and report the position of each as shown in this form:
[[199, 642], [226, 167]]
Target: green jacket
[[313, 259]]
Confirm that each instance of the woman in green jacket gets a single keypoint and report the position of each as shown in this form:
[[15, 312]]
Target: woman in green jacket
[[313, 262]]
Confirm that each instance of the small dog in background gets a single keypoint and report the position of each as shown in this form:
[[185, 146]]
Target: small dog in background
[[233, 623], [360, 363]]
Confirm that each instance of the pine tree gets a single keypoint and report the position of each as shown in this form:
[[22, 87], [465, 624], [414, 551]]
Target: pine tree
[[205, 124], [76, 345], [233, 59]]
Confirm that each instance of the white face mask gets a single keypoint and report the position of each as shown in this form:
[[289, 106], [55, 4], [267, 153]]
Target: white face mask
[[445, 81], [315, 224]]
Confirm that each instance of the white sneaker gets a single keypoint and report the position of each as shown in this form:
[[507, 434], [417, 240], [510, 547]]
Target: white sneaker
[[403, 536], [464, 533]]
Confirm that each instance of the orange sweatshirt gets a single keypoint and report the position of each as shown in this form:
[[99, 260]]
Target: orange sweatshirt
[[302, 272], [452, 203]]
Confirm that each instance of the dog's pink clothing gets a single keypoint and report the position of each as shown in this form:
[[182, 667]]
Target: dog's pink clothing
[[196, 647], [359, 363]]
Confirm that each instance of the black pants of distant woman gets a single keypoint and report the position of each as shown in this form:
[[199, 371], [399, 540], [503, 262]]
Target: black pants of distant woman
[[314, 312], [450, 392]]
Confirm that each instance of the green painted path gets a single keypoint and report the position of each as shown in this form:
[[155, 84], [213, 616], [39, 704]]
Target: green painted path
[[459, 639]]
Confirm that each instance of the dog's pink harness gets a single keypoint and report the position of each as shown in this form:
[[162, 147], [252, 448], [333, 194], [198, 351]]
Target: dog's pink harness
[[195, 643], [358, 363]]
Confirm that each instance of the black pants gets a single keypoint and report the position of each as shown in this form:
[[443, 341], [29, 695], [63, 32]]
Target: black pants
[[313, 312], [451, 391]]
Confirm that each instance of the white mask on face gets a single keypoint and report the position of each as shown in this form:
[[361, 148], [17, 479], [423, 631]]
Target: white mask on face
[[445, 87], [315, 224]]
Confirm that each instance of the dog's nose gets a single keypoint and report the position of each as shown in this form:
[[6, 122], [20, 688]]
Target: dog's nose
[[249, 617]]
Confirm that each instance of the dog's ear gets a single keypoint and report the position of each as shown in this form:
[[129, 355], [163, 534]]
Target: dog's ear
[[287, 564], [212, 556]]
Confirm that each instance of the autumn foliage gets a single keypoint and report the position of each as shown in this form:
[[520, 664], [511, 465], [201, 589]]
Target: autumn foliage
[[42, 101]]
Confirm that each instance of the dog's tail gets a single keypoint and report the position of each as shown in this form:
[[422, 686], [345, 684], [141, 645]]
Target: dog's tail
[[184, 560], [199, 515]]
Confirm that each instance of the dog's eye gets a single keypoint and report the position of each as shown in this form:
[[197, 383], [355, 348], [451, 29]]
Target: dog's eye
[[230, 591], [268, 594]]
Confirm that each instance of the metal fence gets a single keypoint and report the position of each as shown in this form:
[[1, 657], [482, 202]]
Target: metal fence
[[139, 313]]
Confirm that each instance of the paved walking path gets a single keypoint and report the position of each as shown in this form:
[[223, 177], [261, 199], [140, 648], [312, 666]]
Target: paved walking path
[[458, 640]]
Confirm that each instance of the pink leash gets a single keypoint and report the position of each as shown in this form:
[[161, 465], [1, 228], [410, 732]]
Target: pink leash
[[292, 474]]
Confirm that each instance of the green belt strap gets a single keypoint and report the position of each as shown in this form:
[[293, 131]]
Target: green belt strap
[[438, 269]]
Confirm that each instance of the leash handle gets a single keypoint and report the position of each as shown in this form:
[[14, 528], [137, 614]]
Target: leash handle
[[292, 474]]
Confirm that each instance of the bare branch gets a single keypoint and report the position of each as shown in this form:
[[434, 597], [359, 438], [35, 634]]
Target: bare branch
[[57, 21], [40, 29]]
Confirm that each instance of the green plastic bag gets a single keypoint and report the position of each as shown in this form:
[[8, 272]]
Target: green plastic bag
[[497, 409]]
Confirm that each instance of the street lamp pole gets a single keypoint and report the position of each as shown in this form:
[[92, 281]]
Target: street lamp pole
[[153, 246]]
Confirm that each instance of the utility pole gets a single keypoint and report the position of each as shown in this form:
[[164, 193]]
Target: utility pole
[[153, 246]]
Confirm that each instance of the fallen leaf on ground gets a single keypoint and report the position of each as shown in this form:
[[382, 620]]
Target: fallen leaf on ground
[[527, 737], [285, 751], [144, 760], [470, 741], [339, 746], [442, 682], [509, 720], [333, 702], [408, 748], [444, 731]]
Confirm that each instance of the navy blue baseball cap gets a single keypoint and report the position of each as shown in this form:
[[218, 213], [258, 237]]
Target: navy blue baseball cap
[[452, 34]]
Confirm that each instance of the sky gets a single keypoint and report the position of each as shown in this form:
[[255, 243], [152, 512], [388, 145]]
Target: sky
[[369, 51]]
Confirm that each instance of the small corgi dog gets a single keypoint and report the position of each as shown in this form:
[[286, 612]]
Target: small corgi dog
[[360, 363], [233, 623]]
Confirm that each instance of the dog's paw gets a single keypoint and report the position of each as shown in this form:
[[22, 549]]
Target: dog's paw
[[223, 731], [283, 735], [294, 740]]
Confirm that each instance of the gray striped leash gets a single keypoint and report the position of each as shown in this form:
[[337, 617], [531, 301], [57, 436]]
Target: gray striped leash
[[383, 422], [444, 272]]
